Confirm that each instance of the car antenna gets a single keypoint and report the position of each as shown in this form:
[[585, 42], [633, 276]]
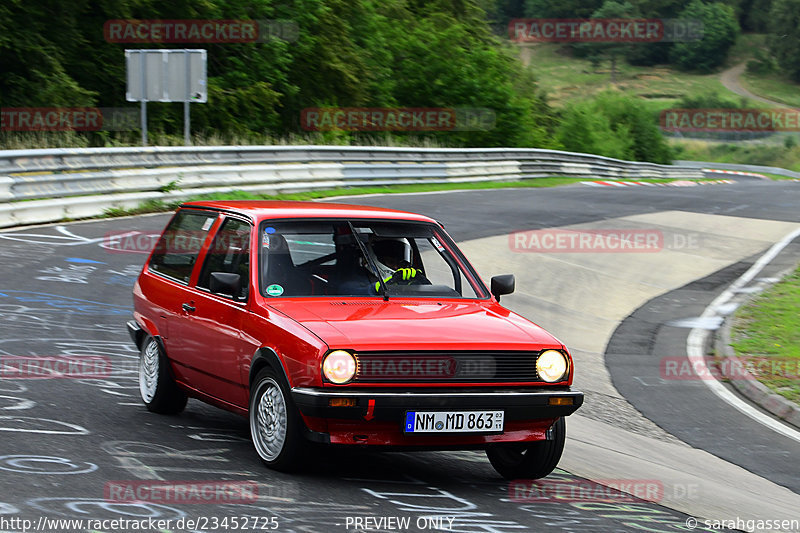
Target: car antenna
[[370, 261]]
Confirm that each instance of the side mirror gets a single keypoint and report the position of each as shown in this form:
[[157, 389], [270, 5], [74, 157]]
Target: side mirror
[[225, 283], [503, 284]]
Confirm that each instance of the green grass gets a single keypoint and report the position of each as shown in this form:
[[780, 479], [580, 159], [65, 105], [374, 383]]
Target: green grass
[[767, 330], [776, 177], [565, 78], [776, 155], [155, 206], [772, 87]]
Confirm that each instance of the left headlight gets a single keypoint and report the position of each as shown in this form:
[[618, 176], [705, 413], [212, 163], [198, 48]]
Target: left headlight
[[552, 366], [339, 367]]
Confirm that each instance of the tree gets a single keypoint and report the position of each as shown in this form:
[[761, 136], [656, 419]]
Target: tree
[[720, 30], [570, 9], [784, 36], [611, 9], [755, 15], [36, 42]]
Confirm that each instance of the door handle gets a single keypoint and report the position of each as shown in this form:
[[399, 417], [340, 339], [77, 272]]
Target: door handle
[[188, 308]]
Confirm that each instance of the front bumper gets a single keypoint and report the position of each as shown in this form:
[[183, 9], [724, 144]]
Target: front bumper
[[383, 405]]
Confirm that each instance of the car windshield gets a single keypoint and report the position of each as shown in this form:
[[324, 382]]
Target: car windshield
[[357, 258]]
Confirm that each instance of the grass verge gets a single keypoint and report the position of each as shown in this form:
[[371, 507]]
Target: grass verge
[[766, 336], [775, 177], [773, 88], [786, 155], [565, 77]]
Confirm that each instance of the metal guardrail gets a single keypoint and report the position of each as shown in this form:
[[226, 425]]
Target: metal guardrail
[[66, 159], [76, 183]]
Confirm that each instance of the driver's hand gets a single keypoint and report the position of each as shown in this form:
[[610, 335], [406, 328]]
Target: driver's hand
[[401, 274], [404, 274]]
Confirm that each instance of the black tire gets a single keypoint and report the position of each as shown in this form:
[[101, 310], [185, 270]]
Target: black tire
[[529, 460], [157, 387], [275, 423]]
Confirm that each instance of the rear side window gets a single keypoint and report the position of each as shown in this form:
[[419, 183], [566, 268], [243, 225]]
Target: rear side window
[[176, 252]]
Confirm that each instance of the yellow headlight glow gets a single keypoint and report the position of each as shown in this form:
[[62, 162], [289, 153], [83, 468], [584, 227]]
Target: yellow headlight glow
[[552, 366]]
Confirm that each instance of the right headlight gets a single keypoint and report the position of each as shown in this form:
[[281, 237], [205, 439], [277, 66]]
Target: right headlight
[[339, 367], [552, 366]]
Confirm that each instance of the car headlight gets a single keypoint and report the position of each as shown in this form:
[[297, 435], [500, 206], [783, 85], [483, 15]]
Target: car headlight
[[552, 366], [339, 367]]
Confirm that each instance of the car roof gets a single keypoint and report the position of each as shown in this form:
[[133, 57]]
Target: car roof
[[268, 209]]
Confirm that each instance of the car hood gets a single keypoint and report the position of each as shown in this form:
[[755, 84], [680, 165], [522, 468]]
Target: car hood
[[402, 325]]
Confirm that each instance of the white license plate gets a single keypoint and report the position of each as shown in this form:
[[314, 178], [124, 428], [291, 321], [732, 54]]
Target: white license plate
[[454, 421]]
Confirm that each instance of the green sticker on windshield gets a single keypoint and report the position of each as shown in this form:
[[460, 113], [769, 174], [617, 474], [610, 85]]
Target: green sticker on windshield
[[274, 290]]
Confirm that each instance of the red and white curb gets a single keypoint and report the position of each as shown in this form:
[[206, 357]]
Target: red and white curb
[[737, 172], [679, 183]]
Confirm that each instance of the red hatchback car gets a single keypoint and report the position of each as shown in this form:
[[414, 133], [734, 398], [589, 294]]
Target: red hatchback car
[[338, 324]]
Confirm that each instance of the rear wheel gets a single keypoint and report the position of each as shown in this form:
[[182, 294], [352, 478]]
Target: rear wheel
[[529, 460], [159, 391], [275, 424]]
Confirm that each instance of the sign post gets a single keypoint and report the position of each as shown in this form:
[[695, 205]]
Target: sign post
[[166, 76]]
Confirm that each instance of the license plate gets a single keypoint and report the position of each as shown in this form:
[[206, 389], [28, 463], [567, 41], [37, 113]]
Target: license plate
[[454, 422]]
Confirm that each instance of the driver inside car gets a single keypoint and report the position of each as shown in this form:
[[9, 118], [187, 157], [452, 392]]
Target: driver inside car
[[392, 257]]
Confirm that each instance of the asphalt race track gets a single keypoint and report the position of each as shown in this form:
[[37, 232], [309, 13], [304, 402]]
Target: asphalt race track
[[62, 441]]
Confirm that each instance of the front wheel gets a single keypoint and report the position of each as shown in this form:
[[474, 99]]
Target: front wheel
[[529, 460], [159, 392], [275, 425]]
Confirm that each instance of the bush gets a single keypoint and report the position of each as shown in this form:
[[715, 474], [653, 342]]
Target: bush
[[762, 63], [711, 100], [613, 125]]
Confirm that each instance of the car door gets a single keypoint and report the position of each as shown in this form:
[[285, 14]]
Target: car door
[[166, 289], [210, 330]]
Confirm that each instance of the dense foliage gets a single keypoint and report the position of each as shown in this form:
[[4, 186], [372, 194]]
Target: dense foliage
[[720, 28], [784, 36], [370, 53], [349, 53], [613, 125]]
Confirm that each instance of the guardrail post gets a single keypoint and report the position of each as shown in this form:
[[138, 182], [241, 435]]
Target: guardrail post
[[5, 188]]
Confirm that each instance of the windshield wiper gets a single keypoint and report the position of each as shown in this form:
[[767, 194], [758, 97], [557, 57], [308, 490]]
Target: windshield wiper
[[370, 261]]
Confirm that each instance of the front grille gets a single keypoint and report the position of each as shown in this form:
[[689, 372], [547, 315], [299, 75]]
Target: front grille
[[447, 367]]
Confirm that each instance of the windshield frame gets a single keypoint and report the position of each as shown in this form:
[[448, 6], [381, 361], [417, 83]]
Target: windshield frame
[[471, 276]]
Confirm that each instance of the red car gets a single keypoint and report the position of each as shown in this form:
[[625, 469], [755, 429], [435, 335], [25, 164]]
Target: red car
[[338, 324]]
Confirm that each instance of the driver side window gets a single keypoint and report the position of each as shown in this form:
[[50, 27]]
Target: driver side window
[[229, 253]]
